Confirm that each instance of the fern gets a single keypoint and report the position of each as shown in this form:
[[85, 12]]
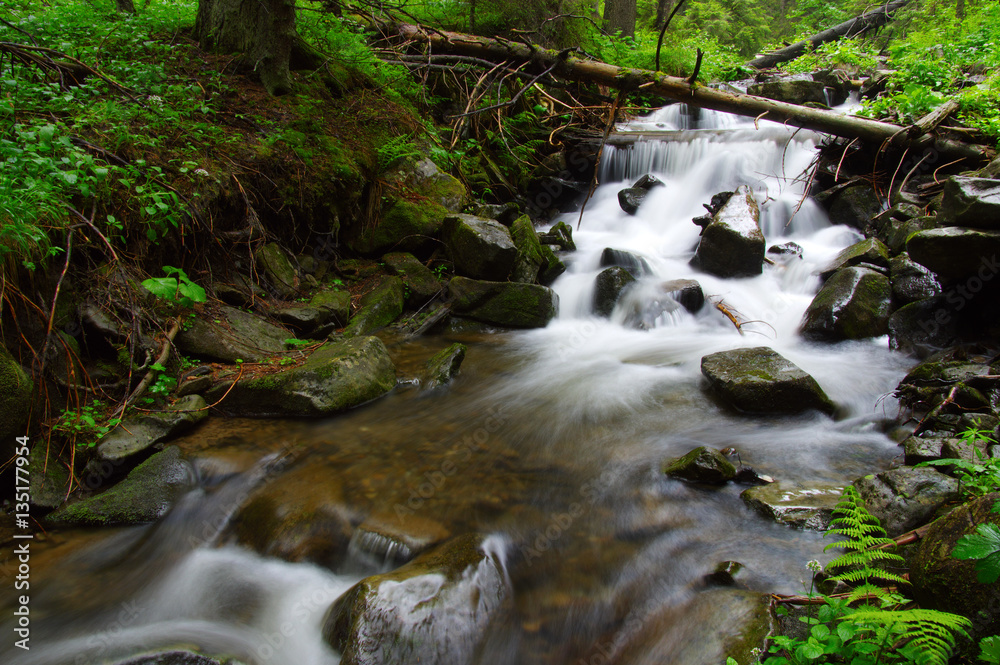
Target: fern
[[864, 538], [925, 636]]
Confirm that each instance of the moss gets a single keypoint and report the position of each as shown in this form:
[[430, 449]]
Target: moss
[[408, 226], [15, 399]]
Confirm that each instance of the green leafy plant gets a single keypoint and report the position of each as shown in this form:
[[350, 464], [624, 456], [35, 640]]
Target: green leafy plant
[[984, 548], [293, 342], [163, 383], [85, 425], [989, 650], [176, 288], [979, 477]]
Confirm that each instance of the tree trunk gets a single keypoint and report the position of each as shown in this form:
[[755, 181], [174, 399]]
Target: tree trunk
[[125, 6], [663, 9], [619, 15], [857, 25], [262, 30], [677, 89]]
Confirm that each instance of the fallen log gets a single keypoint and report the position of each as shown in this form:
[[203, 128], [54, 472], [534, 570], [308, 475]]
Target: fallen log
[[567, 65], [852, 28]]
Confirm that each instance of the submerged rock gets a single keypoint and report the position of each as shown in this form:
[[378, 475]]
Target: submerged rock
[[853, 304], [379, 307], [702, 465], [795, 505], [942, 582], [645, 306], [137, 434], [145, 495], [971, 202], [232, 336], [176, 658], [905, 498], [759, 380], [336, 377], [633, 263], [443, 367], [733, 244], [393, 539], [504, 303], [480, 248], [608, 287], [435, 609]]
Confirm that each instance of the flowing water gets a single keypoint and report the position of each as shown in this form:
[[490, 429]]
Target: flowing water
[[550, 442]]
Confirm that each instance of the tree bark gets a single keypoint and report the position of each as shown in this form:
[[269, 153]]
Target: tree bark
[[619, 15], [663, 8], [125, 6], [678, 89], [262, 30], [852, 28]]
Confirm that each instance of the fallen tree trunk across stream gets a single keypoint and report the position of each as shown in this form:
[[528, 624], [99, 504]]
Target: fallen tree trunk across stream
[[567, 65]]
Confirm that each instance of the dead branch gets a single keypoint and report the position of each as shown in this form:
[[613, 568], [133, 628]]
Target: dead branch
[[730, 314], [151, 374], [597, 161]]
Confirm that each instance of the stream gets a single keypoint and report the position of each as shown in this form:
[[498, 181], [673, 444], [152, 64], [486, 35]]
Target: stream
[[553, 441]]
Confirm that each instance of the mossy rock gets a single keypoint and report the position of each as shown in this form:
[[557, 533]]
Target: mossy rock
[[424, 178], [945, 583], [504, 303], [443, 367], [336, 377], [972, 202], [801, 507], [733, 245], [407, 226], [906, 497], [957, 252], [853, 304], [379, 307], [49, 479], [15, 402], [480, 248], [434, 609], [609, 285], [871, 252], [759, 380], [145, 495], [911, 281], [232, 336], [530, 258], [278, 269], [421, 284], [702, 465], [137, 434]]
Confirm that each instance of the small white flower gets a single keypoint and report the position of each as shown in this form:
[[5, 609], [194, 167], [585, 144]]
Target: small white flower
[[155, 100], [202, 172], [815, 566], [756, 652]]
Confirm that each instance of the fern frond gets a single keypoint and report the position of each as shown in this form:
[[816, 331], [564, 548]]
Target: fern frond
[[864, 558], [928, 634]]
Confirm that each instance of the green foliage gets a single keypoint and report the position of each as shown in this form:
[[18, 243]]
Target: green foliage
[[85, 425], [175, 288], [163, 383], [977, 478], [989, 650], [983, 547], [394, 150]]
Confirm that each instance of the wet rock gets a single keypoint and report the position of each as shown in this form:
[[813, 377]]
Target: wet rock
[[393, 539], [609, 285], [561, 235], [900, 232], [378, 308], [632, 197], [231, 336], [645, 306], [176, 658], [407, 226], [853, 304], [480, 248], [194, 385], [795, 505], [420, 282], [15, 402], [716, 624], [529, 251], [702, 465], [785, 251], [504, 303], [145, 495], [733, 244], [871, 252], [48, 479], [551, 268], [435, 609], [326, 311], [443, 367], [971, 202], [301, 515], [853, 206], [336, 377], [633, 263], [426, 179], [793, 92], [917, 449], [278, 268], [942, 582], [911, 281], [727, 573], [955, 252], [137, 434], [687, 292], [505, 213], [759, 380], [923, 327], [904, 498]]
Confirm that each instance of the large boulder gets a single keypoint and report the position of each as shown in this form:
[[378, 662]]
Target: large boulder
[[426, 179], [923, 327], [732, 245], [137, 434], [232, 336], [529, 251], [945, 583], [421, 284], [911, 281], [608, 287], [853, 205], [971, 202], [854, 303], [906, 497], [435, 609], [336, 377], [380, 306], [503, 303], [480, 248], [955, 252], [760, 380], [15, 402], [49, 480], [871, 253], [793, 92], [802, 507], [326, 311], [145, 495], [702, 465], [407, 226], [278, 268]]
